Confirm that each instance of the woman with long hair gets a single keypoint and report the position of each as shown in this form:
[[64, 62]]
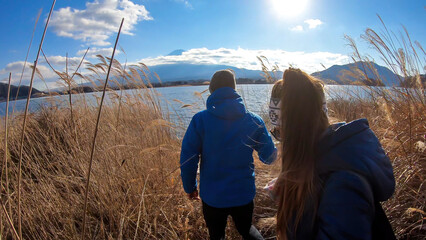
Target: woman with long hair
[[332, 175]]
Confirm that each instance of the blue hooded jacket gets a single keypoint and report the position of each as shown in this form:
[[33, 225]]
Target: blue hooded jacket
[[356, 173], [224, 136]]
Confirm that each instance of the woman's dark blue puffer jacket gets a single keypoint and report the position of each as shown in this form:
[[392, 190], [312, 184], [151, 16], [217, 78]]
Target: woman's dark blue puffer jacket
[[355, 172]]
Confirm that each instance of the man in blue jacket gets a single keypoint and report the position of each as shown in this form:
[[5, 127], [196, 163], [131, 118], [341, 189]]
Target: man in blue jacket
[[224, 136]]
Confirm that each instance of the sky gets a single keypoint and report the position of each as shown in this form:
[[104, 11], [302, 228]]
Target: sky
[[308, 34]]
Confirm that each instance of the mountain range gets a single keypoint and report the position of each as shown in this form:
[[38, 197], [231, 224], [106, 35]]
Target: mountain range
[[336, 74]]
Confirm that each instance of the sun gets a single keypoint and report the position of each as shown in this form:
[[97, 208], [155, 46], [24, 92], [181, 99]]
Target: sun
[[289, 8]]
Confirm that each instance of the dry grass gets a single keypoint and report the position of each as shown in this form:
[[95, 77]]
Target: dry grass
[[401, 129], [130, 178], [398, 117], [135, 190]]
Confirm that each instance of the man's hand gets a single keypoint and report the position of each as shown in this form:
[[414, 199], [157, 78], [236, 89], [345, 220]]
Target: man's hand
[[194, 196]]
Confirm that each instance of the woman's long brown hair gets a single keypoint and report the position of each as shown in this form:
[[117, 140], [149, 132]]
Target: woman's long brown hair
[[302, 123]]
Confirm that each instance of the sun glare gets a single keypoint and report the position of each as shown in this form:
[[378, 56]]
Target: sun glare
[[289, 8]]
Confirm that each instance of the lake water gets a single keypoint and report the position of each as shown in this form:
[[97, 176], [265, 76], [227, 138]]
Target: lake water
[[256, 98]]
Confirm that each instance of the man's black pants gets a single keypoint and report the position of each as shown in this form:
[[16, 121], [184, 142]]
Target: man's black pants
[[216, 219]]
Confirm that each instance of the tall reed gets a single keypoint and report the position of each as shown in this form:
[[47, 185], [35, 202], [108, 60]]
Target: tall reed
[[5, 157], [26, 59], [25, 122], [397, 114], [96, 130]]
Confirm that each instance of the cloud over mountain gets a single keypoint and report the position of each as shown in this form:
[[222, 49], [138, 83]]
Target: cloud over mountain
[[239, 58], [245, 58]]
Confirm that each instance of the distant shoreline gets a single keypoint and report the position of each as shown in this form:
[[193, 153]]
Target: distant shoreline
[[183, 83], [89, 89]]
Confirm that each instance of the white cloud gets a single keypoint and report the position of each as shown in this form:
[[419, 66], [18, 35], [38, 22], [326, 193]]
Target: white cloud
[[245, 58], [187, 3], [49, 76], [297, 28], [98, 51], [60, 61], [16, 69], [313, 23], [99, 21]]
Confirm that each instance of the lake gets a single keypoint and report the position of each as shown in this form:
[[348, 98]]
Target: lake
[[256, 98]]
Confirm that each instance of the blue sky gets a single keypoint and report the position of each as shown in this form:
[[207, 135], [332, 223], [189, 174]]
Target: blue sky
[[230, 32]]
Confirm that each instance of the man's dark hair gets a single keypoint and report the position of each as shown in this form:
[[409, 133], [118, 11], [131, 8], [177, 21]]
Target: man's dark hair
[[222, 78]]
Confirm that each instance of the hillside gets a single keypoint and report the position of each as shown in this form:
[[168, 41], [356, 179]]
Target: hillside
[[353, 73], [23, 92]]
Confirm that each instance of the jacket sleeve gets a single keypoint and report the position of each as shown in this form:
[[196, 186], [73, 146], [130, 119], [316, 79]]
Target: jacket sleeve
[[190, 156], [264, 145], [346, 210]]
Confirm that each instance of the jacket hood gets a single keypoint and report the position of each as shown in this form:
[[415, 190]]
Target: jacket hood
[[354, 147], [226, 103]]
